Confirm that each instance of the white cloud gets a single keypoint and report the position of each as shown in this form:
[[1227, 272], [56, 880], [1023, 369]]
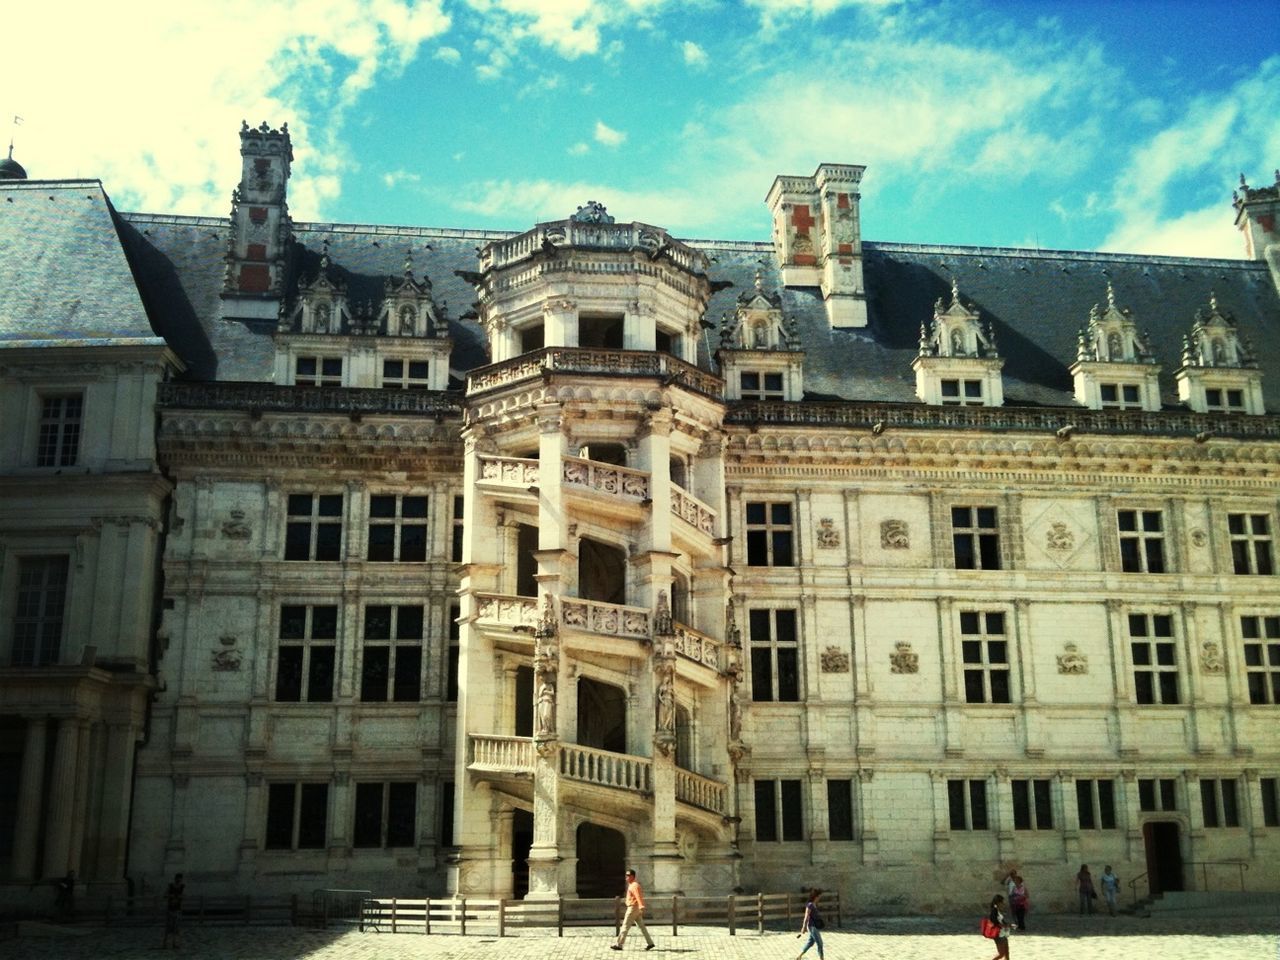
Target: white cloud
[[571, 28], [694, 55], [448, 55], [608, 136], [174, 148], [578, 149], [394, 178]]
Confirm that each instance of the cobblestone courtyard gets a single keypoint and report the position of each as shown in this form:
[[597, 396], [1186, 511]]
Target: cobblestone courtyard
[[1055, 938]]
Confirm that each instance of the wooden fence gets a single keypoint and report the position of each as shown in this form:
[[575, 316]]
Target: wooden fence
[[488, 917]]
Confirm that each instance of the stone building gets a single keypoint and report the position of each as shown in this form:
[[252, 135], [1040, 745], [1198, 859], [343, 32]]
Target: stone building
[[438, 561]]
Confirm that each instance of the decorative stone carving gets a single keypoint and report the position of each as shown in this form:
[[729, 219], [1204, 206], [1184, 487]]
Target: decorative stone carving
[[228, 658], [835, 660], [546, 706], [828, 535], [236, 528], [1072, 661], [904, 659], [895, 535], [1211, 657], [592, 212], [1059, 538], [1199, 538]]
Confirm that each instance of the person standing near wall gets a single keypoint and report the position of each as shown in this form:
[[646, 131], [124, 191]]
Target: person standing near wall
[[812, 924], [173, 913], [635, 913]]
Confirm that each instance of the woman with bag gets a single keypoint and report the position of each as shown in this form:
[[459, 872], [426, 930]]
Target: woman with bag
[[1020, 902], [812, 924], [995, 928]]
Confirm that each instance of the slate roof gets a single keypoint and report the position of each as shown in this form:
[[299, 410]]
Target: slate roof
[[1036, 300], [64, 276]]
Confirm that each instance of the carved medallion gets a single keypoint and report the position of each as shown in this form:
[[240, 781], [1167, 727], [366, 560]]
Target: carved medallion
[[1199, 538], [828, 535], [1072, 661], [236, 528], [835, 660], [1211, 657], [1058, 538], [895, 535], [904, 659]]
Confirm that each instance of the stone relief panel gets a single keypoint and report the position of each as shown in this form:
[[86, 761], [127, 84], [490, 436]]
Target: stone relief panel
[[828, 535], [903, 659], [835, 660], [1060, 535], [1211, 657], [895, 535], [894, 530], [1072, 661]]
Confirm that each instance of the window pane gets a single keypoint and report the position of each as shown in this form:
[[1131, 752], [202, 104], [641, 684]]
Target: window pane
[[377, 623], [324, 623], [382, 506], [1146, 795], [382, 542], [409, 623], [766, 811], [373, 679], [413, 543], [785, 626], [971, 650], [978, 804], [289, 675], [974, 689], [312, 815], [1167, 801], [955, 804], [1144, 688], [1044, 806], [761, 674], [757, 548], [1168, 688], [402, 802], [320, 675], [989, 546], [330, 505], [969, 622], [1209, 800], [1107, 804], [792, 813], [328, 541], [782, 548], [1000, 686], [297, 541], [1230, 813], [1021, 806], [408, 683], [1084, 804], [788, 676], [279, 816], [368, 823], [840, 809]]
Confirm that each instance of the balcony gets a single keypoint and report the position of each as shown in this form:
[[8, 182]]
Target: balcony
[[593, 362], [513, 472], [606, 769], [693, 511], [698, 647], [493, 754], [497, 609], [606, 619], [702, 792], [605, 478]]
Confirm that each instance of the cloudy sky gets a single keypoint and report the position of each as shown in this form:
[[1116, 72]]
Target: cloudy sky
[[1077, 124]]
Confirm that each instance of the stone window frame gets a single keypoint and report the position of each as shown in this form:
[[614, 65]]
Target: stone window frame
[[398, 522], [453, 654], [1152, 662], [1032, 799], [59, 429], [1143, 539], [772, 529], [1163, 793], [979, 660], [317, 520], [395, 643], [977, 535], [457, 527], [1251, 550], [962, 395], [1219, 400], [1126, 395], [301, 827], [787, 803], [1220, 802], [1260, 648], [968, 807], [45, 649], [309, 644], [405, 379], [773, 647], [840, 793], [381, 821], [1269, 787], [323, 373], [762, 391], [1100, 803]]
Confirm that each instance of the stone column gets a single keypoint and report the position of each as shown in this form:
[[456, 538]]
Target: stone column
[[80, 809], [58, 855], [30, 800], [544, 854], [1001, 805]]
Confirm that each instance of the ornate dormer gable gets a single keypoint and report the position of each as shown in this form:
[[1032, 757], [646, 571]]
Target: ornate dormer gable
[[759, 354], [407, 307], [1115, 368], [817, 237], [321, 304], [958, 362], [1218, 373]]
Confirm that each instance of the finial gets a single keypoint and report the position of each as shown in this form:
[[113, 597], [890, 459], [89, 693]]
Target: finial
[[759, 283], [1111, 297], [955, 291], [1213, 302], [408, 263], [324, 254], [1243, 182]]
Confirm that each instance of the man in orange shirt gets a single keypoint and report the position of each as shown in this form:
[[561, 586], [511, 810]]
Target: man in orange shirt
[[635, 913]]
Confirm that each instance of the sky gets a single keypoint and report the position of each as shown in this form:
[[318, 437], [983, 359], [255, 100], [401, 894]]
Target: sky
[[1118, 125]]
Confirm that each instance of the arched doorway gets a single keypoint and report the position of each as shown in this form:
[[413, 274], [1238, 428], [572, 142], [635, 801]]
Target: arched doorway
[[602, 858], [602, 715]]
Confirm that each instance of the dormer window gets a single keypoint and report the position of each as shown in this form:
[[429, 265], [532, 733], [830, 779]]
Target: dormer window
[[962, 393], [759, 355], [317, 372], [1217, 400], [756, 385], [957, 363], [1219, 373], [400, 374], [1114, 368]]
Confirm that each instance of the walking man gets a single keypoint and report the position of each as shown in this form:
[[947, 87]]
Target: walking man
[[635, 913], [173, 913]]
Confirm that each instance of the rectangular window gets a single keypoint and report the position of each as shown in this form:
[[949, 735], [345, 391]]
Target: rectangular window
[[967, 802], [1032, 806], [1157, 796], [775, 655], [1096, 804], [305, 658], [58, 442], [975, 537], [1217, 400], [1250, 543], [385, 815], [1261, 637], [313, 530], [1218, 803], [317, 372], [453, 655], [457, 530], [964, 393], [1120, 396], [985, 652], [1141, 540], [392, 667], [1270, 801], [840, 809], [398, 374], [446, 814], [297, 814], [769, 535], [38, 610], [761, 386], [397, 528], [1155, 658], [778, 810]]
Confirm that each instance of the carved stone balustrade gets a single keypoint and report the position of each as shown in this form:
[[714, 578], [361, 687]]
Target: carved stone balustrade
[[270, 398], [509, 471], [605, 768], [697, 647], [606, 478], [614, 363], [590, 235], [693, 511], [610, 619], [700, 791], [501, 754], [507, 611]]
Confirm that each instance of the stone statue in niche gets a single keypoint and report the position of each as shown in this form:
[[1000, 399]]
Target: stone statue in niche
[[322, 318], [835, 660], [666, 702], [828, 535], [904, 659], [895, 535], [1072, 661], [546, 706], [1059, 538], [1115, 351], [735, 714], [957, 343], [236, 528]]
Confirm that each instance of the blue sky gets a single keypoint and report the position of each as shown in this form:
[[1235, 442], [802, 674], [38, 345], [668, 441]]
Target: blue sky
[[1075, 125]]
